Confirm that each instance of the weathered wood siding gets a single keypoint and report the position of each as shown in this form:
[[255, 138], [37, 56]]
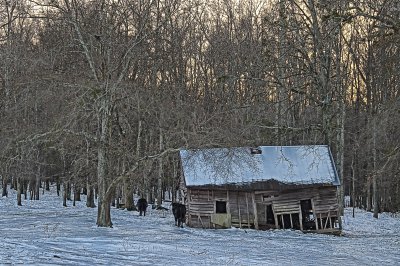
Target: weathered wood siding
[[323, 199], [241, 209], [249, 209], [200, 206]]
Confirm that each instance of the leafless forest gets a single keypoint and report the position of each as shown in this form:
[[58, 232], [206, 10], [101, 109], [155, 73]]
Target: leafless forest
[[99, 95]]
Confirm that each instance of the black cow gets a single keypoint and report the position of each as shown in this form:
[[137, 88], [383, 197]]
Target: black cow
[[142, 206], [179, 211]]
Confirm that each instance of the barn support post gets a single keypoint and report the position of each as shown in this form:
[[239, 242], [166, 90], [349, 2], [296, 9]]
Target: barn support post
[[301, 218], [315, 214], [266, 213], [201, 221], [275, 216], [320, 221], [328, 218], [253, 199], [228, 207], [291, 220]]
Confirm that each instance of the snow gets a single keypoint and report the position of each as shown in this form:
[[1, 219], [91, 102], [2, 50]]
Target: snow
[[45, 233], [288, 164]]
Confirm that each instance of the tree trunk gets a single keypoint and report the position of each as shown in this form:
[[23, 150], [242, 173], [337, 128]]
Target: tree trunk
[[340, 156], [19, 191], [65, 194], [5, 182], [32, 189], [14, 183], [69, 191], [175, 179], [47, 184], [369, 199], [160, 173], [128, 194], [25, 188], [58, 185], [353, 189], [37, 186], [77, 193], [104, 201], [104, 213], [128, 187], [280, 75], [375, 195], [90, 197]]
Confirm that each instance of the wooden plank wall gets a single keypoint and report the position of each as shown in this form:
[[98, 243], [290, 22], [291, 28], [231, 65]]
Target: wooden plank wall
[[201, 204], [241, 204], [200, 207], [241, 208], [324, 199], [324, 202]]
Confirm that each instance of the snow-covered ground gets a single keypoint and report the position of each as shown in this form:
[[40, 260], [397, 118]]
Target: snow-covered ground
[[45, 233]]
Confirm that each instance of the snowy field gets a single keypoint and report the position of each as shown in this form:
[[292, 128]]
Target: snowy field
[[45, 233]]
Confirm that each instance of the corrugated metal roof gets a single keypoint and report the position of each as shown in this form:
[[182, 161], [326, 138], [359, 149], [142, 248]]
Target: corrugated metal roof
[[311, 164]]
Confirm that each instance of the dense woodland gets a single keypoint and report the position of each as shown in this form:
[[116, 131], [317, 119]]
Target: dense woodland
[[99, 95]]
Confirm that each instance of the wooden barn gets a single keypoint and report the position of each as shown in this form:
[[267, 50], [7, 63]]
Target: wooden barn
[[263, 188]]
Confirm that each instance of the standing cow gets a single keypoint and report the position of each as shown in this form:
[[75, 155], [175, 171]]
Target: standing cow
[[142, 206], [179, 211]]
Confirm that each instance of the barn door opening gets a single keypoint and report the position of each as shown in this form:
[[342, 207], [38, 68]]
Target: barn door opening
[[221, 219], [265, 215], [270, 215], [307, 215], [289, 221]]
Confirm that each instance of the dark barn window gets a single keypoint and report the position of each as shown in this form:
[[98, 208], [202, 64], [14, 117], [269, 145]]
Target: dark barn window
[[220, 206]]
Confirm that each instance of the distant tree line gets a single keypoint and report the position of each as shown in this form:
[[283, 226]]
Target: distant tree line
[[98, 96]]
